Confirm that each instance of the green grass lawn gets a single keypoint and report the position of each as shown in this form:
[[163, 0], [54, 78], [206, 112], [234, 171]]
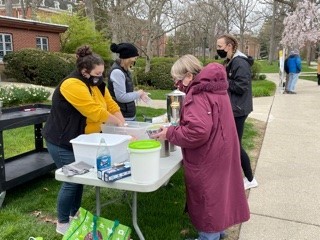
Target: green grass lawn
[[159, 94], [311, 78], [274, 68], [260, 88], [30, 209]]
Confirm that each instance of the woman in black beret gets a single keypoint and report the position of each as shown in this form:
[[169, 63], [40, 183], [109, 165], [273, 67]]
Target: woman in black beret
[[120, 82]]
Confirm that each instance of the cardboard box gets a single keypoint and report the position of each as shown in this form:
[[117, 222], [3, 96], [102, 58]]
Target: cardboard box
[[116, 172]]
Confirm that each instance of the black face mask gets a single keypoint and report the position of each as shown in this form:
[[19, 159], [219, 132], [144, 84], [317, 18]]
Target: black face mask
[[95, 80], [132, 64], [222, 53]]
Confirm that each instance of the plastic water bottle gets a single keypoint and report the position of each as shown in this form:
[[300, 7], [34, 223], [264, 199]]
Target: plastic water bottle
[[103, 155]]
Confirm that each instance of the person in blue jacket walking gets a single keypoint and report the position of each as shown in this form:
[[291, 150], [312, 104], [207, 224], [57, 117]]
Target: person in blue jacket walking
[[293, 67]]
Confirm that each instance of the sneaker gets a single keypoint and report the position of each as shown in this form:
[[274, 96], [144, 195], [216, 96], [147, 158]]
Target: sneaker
[[223, 235], [248, 185], [62, 228]]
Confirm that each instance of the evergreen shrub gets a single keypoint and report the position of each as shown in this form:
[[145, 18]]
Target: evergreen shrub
[[255, 69], [38, 67], [262, 77], [159, 76]]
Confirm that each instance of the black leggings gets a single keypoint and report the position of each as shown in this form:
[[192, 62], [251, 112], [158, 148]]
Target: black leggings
[[245, 160]]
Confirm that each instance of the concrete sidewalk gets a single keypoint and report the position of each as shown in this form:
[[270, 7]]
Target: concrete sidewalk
[[286, 203]]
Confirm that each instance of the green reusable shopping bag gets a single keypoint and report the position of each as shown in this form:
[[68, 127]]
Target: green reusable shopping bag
[[86, 226]]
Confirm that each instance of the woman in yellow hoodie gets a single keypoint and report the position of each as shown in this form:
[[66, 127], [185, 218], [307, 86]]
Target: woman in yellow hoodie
[[80, 103]]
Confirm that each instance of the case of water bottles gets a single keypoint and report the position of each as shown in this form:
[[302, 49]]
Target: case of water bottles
[[85, 147]]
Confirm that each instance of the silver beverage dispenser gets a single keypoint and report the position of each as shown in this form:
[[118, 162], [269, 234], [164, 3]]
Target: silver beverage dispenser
[[174, 103]]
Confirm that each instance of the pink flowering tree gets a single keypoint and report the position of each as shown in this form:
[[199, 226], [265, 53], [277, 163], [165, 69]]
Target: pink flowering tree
[[302, 27]]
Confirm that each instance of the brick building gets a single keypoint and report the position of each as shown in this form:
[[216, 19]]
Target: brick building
[[16, 34], [44, 8], [251, 46]]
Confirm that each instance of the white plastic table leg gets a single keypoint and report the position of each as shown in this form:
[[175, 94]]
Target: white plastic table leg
[[2, 196], [134, 216], [134, 211], [98, 204]]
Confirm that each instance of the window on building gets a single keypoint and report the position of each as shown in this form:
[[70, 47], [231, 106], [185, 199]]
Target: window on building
[[56, 4], [42, 43], [69, 6], [5, 44]]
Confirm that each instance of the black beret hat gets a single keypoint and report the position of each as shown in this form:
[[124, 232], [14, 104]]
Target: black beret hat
[[125, 50]]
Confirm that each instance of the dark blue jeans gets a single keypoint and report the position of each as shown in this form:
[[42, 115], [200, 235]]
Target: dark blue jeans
[[70, 194]]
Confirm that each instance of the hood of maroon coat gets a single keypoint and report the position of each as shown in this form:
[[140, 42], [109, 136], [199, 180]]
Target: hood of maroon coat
[[212, 78]]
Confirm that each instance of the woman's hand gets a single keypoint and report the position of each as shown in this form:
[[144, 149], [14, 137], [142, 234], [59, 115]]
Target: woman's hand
[[140, 92], [161, 135], [144, 97], [116, 119], [120, 118]]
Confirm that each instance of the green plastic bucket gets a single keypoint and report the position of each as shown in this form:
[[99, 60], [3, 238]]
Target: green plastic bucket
[[145, 160]]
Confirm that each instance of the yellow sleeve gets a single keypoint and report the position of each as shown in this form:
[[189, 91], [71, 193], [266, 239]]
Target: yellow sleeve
[[78, 95], [112, 106]]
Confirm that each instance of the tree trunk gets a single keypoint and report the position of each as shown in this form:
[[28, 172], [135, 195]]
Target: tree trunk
[[149, 55], [23, 9], [8, 8], [271, 48], [309, 49], [34, 10], [114, 39], [89, 9], [241, 45]]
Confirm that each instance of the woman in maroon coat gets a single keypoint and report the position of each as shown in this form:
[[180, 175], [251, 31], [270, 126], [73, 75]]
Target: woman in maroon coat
[[211, 155]]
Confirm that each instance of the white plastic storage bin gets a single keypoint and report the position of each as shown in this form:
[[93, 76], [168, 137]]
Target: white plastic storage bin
[[135, 129], [85, 147]]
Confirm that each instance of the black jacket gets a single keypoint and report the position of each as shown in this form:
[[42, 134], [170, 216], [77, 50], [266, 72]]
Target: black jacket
[[65, 122], [128, 109], [240, 85]]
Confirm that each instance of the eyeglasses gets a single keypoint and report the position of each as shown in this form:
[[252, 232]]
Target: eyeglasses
[[178, 80]]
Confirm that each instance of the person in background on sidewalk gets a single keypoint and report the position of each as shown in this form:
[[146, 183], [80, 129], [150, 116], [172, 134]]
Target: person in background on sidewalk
[[120, 82], [293, 65], [208, 138], [318, 70], [238, 67], [286, 70], [80, 104]]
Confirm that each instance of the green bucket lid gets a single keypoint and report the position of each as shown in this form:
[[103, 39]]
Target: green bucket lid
[[144, 144]]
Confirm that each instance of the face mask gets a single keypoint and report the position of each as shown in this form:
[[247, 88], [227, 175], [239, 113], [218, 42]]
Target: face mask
[[132, 65], [180, 86], [95, 80], [222, 53]]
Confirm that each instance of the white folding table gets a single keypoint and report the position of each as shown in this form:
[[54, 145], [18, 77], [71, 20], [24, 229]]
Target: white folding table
[[168, 166]]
